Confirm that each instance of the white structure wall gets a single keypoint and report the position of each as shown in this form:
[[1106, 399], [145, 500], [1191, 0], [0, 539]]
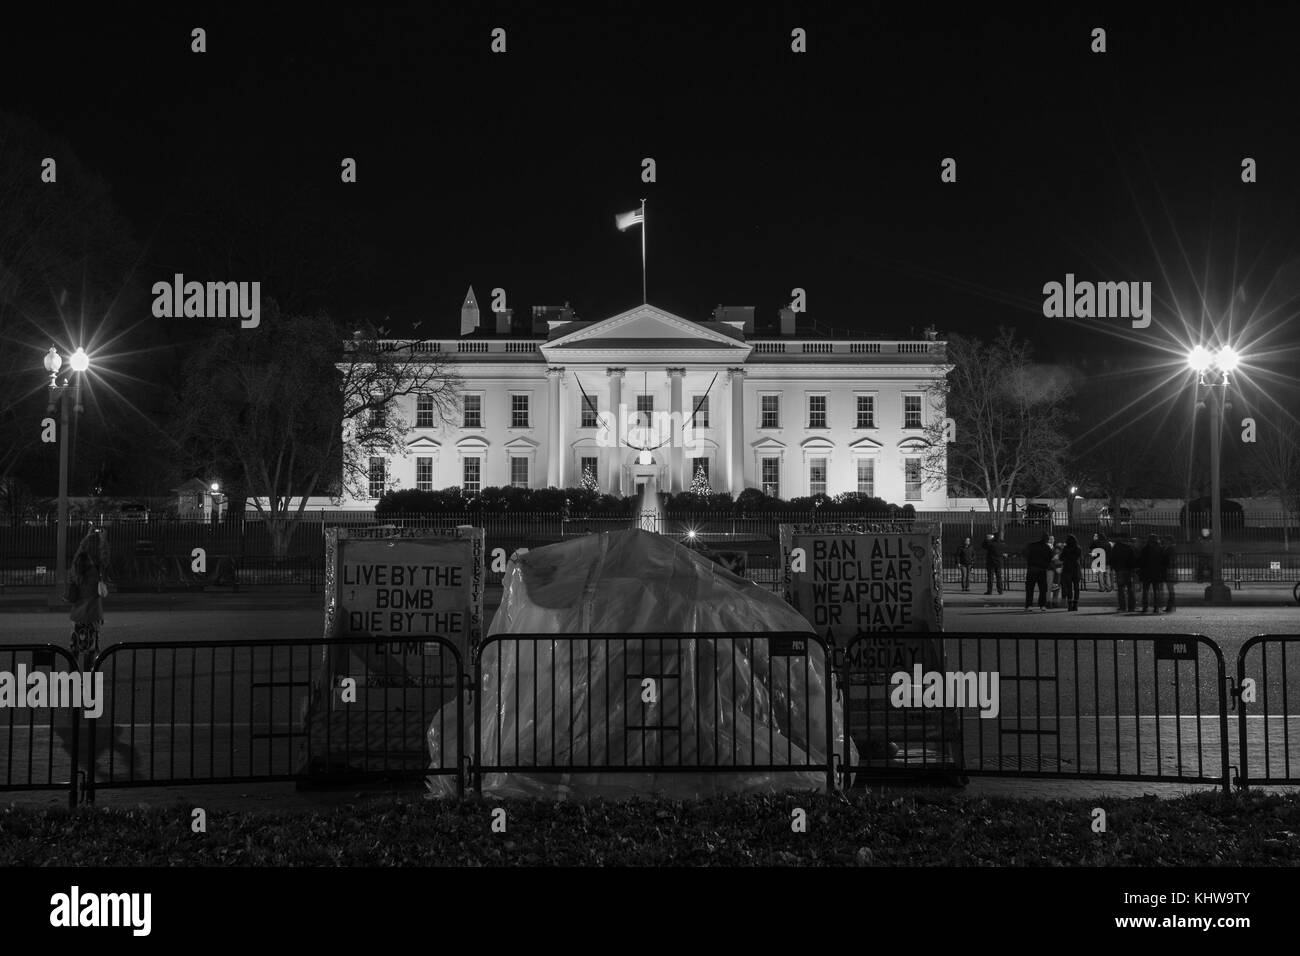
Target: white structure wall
[[674, 361]]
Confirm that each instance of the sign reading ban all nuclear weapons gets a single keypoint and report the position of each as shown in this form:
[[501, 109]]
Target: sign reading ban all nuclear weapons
[[874, 590]]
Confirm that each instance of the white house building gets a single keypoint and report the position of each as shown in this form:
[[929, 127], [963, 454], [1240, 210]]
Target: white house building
[[791, 411]]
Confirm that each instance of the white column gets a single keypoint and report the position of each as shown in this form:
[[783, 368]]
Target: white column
[[553, 428], [614, 455], [676, 454], [736, 440], [561, 445]]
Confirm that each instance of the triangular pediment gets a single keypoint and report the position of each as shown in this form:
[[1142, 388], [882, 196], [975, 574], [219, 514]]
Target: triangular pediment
[[648, 327], [866, 444], [767, 443]]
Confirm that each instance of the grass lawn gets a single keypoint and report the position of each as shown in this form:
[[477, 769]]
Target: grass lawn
[[890, 829]]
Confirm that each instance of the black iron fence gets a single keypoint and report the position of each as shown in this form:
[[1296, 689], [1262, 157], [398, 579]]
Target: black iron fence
[[42, 739], [606, 705], [612, 707], [1268, 720], [244, 711], [1118, 707], [1275, 533]]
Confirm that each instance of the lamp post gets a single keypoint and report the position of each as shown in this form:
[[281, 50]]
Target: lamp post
[[1212, 370], [1069, 506], [60, 393]]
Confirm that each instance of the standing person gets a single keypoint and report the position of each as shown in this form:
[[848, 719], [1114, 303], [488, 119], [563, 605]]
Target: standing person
[[1038, 560], [1170, 551], [1124, 561], [965, 558], [1054, 573], [1105, 580], [992, 561], [1151, 572], [87, 588], [1071, 572], [1204, 556]]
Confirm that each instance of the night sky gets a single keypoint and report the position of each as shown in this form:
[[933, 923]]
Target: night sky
[[775, 169]]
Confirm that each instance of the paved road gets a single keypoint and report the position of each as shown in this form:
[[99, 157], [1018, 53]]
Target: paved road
[[1098, 727]]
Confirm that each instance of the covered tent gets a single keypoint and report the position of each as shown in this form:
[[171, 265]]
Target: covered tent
[[730, 707]]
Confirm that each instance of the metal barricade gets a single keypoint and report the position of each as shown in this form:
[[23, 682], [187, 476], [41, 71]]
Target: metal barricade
[[42, 741], [1268, 715], [1114, 707], [651, 704], [181, 712]]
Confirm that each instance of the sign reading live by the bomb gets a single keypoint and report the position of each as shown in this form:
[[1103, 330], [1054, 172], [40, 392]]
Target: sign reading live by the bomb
[[875, 592], [400, 607]]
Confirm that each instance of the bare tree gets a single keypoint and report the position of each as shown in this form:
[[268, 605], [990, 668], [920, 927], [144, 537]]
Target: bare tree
[[1276, 457], [296, 409], [1008, 416]]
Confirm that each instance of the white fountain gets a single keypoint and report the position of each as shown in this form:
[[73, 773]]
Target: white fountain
[[650, 514]]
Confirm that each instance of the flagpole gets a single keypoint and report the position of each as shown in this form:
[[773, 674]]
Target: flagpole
[[644, 300]]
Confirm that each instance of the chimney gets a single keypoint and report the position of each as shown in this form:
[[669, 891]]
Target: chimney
[[541, 323], [505, 321], [740, 317], [469, 313], [787, 321]]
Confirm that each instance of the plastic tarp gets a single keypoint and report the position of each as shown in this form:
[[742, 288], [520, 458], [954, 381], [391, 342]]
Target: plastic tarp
[[716, 702]]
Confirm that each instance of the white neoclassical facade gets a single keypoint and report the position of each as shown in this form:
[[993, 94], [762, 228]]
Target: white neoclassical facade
[[648, 393]]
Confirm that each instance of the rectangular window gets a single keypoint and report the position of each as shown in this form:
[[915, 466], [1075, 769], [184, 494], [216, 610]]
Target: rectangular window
[[589, 411], [867, 477], [912, 479], [378, 477], [645, 408], [816, 476], [866, 411], [424, 474], [698, 465], [424, 411], [519, 472], [700, 406], [770, 406], [912, 411], [378, 417], [772, 477], [473, 412], [588, 467], [816, 411], [473, 474], [519, 411]]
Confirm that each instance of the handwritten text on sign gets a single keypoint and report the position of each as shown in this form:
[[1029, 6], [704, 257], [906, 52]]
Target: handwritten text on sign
[[406, 597], [865, 582]]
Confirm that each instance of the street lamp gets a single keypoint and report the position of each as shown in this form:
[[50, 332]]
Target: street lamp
[[1212, 370], [1069, 505], [60, 393]]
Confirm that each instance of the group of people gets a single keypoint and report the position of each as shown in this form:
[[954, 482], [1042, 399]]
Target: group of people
[[1055, 570]]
